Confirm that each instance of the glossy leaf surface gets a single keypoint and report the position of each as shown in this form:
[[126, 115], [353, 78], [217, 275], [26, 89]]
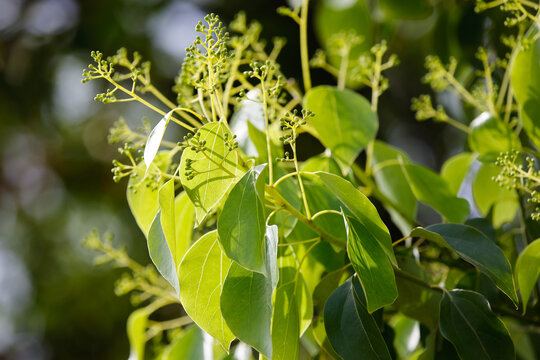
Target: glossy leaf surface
[[474, 247], [467, 321], [160, 253], [350, 327]]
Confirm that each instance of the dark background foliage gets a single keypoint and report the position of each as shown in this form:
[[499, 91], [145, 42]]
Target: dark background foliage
[[55, 181]]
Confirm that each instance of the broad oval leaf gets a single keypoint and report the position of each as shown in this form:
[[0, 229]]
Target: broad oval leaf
[[188, 346], [391, 181], [489, 136], [528, 271], [455, 169], [286, 323], [358, 205], [343, 120], [246, 304], [201, 277], [142, 193], [371, 264], [241, 224], [351, 329], [154, 140], [466, 320], [430, 188], [489, 196], [476, 248], [160, 253], [136, 330], [525, 80], [207, 175]]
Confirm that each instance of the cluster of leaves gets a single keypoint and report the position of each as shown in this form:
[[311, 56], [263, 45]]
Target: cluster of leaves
[[292, 257]]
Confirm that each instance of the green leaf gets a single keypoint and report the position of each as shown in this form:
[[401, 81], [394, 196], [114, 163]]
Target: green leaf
[[525, 81], [476, 248], [528, 271], [414, 300], [455, 169], [322, 292], [371, 264], [154, 140], [271, 239], [322, 162], [241, 224], [431, 189], [136, 330], [467, 321], [391, 181], [246, 304], [188, 346], [177, 216], [185, 220], [359, 206], [350, 327], [142, 194], [343, 120], [214, 169], [286, 323], [407, 335], [201, 277], [410, 9], [489, 136], [488, 195], [160, 253]]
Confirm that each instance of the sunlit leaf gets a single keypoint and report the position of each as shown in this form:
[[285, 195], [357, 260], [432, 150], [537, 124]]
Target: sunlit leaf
[[246, 304], [201, 276], [371, 264], [526, 85], [214, 170], [343, 120], [188, 346], [154, 140], [489, 136], [528, 271], [136, 329]]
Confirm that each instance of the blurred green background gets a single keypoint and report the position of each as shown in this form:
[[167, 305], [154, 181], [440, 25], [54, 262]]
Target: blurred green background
[[55, 181]]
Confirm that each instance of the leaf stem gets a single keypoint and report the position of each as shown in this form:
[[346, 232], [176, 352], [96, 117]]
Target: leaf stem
[[304, 45]]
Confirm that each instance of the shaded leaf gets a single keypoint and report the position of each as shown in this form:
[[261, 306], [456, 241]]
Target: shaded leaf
[[201, 277], [246, 304], [474, 247], [489, 136], [467, 322], [241, 224], [350, 328], [455, 169], [160, 253], [286, 323]]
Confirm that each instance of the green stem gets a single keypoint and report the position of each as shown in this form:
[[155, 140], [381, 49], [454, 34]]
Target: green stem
[[300, 182], [304, 45], [267, 134]]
